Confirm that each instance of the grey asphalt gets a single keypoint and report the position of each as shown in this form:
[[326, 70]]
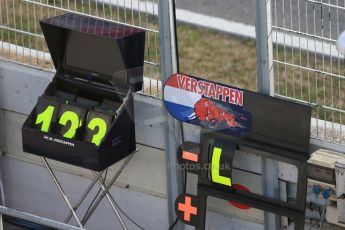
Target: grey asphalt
[[233, 10], [291, 14]]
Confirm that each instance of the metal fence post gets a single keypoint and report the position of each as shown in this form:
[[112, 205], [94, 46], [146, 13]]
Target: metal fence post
[[264, 47], [172, 128], [264, 54]]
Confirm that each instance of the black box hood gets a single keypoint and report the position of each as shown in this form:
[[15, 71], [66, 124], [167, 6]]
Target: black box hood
[[96, 49]]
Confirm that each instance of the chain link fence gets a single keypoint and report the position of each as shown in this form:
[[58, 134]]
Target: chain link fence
[[307, 66], [22, 40]]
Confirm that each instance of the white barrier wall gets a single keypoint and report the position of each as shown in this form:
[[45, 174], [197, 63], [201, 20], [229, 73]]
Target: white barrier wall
[[140, 190]]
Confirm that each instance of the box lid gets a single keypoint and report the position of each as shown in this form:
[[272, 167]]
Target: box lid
[[96, 49], [340, 163]]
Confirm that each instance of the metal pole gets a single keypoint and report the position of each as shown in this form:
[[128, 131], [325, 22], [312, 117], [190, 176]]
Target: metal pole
[[172, 128], [112, 181], [113, 206], [264, 47], [3, 143], [87, 191], [3, 149], [36, 219], [264, 54], [1, 223], [61, 191]]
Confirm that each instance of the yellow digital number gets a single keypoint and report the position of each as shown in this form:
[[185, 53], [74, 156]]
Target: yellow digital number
[[72, 119], [75, 123], [45, 118], [215, 163], [102, 130]]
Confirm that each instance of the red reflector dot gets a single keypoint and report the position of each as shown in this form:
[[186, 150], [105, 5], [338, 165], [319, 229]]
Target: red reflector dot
[[236, 204]]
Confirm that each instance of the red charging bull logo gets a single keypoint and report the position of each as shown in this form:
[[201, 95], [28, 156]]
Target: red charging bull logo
[[207, 111]]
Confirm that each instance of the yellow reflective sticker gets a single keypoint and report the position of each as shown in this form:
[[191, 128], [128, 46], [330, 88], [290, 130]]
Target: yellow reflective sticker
[[73, 117], [217, 152], [45, 118], [102, 130]]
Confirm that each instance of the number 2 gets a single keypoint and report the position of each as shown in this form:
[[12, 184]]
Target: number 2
[[74, 119], [102, 130], [75, 122]]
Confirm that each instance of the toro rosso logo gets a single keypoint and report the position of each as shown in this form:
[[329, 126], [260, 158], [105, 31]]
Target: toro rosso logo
[[206, 103]]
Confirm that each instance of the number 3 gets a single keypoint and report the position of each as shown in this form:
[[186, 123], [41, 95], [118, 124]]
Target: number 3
[[102, 130], [75, 122]]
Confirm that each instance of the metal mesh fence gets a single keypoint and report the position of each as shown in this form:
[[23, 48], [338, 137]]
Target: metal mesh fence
[[22, 40], [307, 66]]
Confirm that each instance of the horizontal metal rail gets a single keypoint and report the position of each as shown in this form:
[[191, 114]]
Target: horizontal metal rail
[[311, 103], [304, 34], [152, 63], [326, 4], [21, 31], [89, 15], [36, 219], [310, 69], [317, 143]]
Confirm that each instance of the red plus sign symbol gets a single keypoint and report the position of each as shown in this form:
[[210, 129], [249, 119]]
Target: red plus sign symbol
[[187, 208]]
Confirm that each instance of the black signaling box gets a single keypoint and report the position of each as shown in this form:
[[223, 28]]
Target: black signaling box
[[85, 116]]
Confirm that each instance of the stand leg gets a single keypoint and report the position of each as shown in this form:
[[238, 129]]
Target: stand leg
[[82, 198], [1, 223], [112, 181], [62, 192], [110, 200]]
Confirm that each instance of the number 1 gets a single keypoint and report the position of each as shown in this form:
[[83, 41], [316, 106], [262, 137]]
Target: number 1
[[45, 118]]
